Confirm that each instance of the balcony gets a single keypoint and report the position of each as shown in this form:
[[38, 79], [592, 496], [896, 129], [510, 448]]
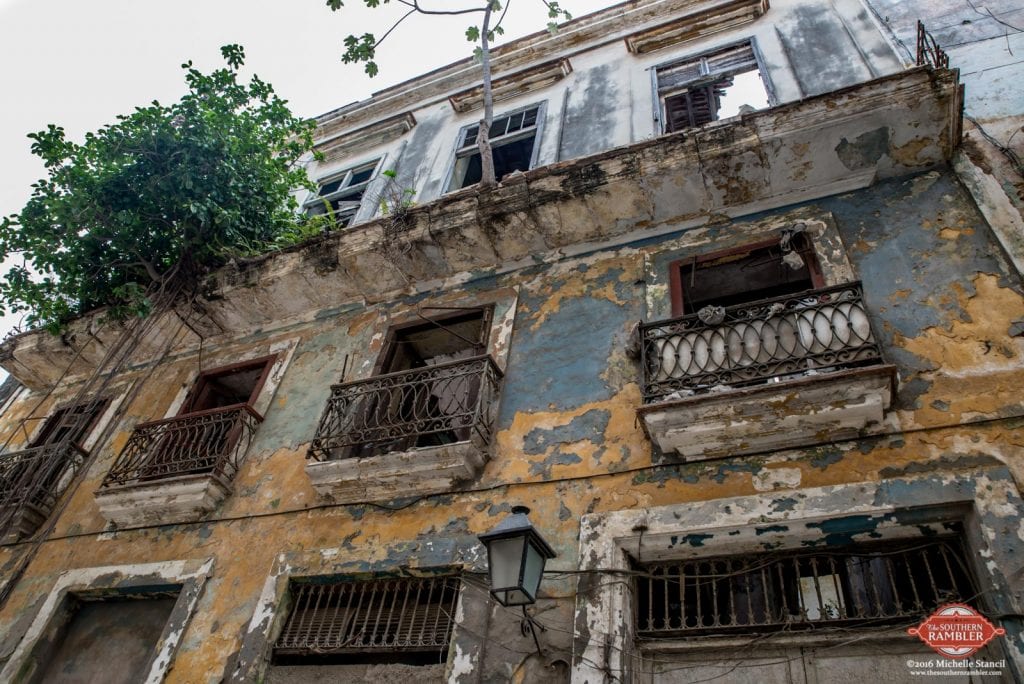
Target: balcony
[[406, 433], [30, 483], [178, 468], [778, 373]]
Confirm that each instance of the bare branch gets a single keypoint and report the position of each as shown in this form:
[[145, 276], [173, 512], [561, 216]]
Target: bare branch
[[416, 7]]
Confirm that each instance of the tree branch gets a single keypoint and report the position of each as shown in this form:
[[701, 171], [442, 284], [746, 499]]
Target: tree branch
[[416, 8]]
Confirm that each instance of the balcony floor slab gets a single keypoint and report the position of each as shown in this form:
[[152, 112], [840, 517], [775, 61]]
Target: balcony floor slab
[[776, 415], [164, 501], [414, 472]]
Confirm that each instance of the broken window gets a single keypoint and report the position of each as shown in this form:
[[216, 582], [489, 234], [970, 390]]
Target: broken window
[[400, 620], [709, 87], [513, 143], [341, 195], [867, 585], [106, 640], [746, 274]]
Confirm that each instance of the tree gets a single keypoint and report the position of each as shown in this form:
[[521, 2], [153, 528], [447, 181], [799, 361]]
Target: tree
[[363, 49], [165, 193]]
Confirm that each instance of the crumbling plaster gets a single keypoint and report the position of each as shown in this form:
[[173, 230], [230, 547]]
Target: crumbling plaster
[[567, 442]]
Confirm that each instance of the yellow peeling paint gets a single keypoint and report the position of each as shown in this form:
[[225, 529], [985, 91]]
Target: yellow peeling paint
[[580, 284]]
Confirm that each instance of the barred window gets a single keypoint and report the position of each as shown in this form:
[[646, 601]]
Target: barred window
[[867, 585], [362, 620]]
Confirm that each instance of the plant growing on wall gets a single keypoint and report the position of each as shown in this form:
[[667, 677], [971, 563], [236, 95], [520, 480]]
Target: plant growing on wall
[[363, 49], [167, 192]]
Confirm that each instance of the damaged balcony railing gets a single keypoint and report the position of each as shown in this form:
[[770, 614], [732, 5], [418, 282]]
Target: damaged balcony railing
[[211, 441], [441, 404], [801, 590], [928, 51], [802, 333], [30, 482]]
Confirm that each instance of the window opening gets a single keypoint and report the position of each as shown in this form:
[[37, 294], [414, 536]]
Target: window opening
[[430, 400], [71, 423], [229, 385], [720, 84], [381, 620], [99, 633], [744, 275], [343, 194], [868, 585], [513, 142]]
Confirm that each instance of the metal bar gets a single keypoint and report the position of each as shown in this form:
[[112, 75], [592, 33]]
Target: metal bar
[[868, 583]]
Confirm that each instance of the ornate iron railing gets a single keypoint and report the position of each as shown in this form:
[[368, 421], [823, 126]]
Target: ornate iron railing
[[30, 482], [801, 333], [449, 402], [801, 590], [210, 441], [928, 50], [403, 614]]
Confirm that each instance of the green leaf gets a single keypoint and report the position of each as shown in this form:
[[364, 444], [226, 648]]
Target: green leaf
[[473, 34]]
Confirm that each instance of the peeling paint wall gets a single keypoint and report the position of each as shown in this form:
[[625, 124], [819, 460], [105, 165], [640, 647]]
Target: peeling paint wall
[[945, 302], [940, 296]]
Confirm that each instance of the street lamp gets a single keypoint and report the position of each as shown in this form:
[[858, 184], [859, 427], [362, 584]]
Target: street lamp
[[516, 554]]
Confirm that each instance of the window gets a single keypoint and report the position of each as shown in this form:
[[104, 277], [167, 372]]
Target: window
[[868, 585], [130, 629], [403, 620], [71, 423], [342, 194], [709, 87], [745, 274], [209, 434], [431, 373], [33, 478], [513, 141]]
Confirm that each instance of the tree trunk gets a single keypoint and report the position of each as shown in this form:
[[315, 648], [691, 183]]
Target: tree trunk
[[483, 143]]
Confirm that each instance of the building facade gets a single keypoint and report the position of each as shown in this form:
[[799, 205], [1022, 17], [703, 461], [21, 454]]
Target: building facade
[[742, 326]]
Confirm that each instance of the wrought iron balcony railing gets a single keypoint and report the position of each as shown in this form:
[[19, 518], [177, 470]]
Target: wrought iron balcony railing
[[30, 482], [802, 333], [203, 442], [442, 404]]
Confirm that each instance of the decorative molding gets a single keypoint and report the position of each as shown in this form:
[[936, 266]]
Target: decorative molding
[[701, 24], [513, 85], [366, 137]]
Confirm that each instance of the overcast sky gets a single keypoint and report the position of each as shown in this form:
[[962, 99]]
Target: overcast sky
[[79, 64]]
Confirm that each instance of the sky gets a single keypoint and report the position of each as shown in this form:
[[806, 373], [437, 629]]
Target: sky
[[80, 64]]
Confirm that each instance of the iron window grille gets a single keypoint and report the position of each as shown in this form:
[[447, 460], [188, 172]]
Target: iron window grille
[[813, 331], [413, 614], [342, 194], [690, 91], [513, 139], [868, 585]]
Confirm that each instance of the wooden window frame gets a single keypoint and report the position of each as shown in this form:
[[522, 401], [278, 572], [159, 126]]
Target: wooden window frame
[[202, 381]]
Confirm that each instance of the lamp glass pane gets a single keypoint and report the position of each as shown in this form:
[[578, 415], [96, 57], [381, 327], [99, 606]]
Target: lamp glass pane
[[534, 569], [506, 558]]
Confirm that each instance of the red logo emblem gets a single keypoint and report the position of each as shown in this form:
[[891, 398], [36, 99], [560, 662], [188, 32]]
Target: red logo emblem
[[956, 631]]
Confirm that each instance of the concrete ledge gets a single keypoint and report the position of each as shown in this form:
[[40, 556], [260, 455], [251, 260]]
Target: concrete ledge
[[414, 472], [160, 502], [777, 415]]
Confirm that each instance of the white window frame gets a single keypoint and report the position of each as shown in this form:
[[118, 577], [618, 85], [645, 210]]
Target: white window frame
[[347, 213], [660, 114], [462, 152]]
